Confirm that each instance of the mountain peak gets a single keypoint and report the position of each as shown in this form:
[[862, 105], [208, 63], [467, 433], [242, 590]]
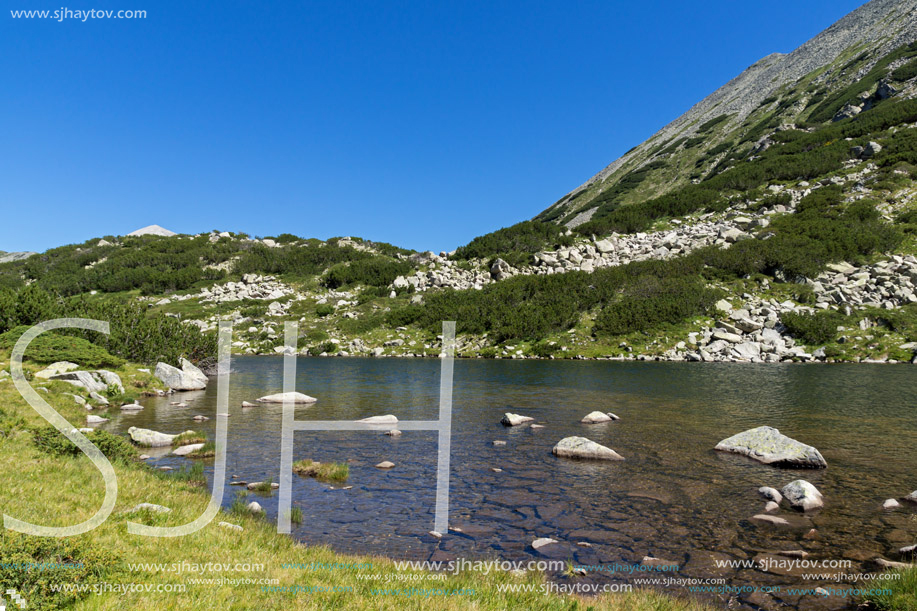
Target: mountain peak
[[153, 230]]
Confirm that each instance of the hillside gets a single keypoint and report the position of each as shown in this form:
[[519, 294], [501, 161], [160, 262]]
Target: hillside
[[775, 221]]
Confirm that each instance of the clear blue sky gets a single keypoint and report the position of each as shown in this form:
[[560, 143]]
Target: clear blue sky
[[418, 123]]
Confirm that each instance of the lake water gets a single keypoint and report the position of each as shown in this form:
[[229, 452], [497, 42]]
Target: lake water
[[673, 498]]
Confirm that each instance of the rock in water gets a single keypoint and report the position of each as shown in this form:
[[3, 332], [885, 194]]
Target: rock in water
[[580, 447], [150, 439], [891, 504], [770, 494], [766, 444], [188, 377], [543, 541], [188, 449], [803, 495], [595, 418], [387, 419], [385, 464], [912, 497], [292, 397], [510, 419]]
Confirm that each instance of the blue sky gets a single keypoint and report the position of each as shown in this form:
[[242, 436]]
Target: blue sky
[[423, 124]]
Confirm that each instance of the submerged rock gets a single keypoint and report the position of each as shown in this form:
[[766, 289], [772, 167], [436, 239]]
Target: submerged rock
[[542, 541], [284, 397], [510, 419], [775, 520], [580, 447], [385, 464], [803, 495], [767, 445]]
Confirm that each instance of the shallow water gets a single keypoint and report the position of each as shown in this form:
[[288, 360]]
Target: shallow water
[[673, 498]]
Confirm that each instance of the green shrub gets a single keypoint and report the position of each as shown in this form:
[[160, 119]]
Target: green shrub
[[51, 347], [34, 566], [544, 349], [651, 302], [514, 242], [324, 309], [324, 348], [50, 441], [377, 271], [814, 329]]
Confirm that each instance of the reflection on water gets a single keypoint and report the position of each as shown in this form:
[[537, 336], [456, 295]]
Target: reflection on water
[[673, 498]]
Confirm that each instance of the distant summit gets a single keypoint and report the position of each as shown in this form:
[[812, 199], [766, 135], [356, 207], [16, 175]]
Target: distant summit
[[153, 230]]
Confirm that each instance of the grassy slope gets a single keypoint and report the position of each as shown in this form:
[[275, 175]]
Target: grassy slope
[[59, 491]]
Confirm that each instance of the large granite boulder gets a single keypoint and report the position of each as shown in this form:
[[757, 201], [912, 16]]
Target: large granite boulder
[[580, 447], [766, 444], [803, 495], [89, 380], [188, 377], [284, 397]]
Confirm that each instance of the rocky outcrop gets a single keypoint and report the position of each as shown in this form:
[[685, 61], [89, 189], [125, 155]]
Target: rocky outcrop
[[55, 369], [92, 381], [188, 377], [580, 447], [767, 445], [288, 397], [803, 495]]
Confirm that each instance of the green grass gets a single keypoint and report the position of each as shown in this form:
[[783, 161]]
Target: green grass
[[189, 437], [209, 450], [903, 596], [329, 471]]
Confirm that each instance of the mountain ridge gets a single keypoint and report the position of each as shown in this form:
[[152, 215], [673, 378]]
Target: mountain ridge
[[877, 27]]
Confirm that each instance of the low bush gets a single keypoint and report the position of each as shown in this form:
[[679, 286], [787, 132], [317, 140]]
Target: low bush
[[50, 441], [813, 329]]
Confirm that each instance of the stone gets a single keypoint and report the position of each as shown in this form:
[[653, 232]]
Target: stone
[[726, 336], [247, 404], [510, 419], [595, 418], [775, 520], [803, 495], [95, 419], [131, 407], [200, 418], [770, 494], [723, 306], [255, 507], [98, 398], [872, 149], [55, 369], [891, 504], [499, 442], [149, 507], [188, 377], [83, 379], [888, 564], [385, 464], [292, 397], [747, 350], [188, 449], [767, 445], [229, 526], [393, 433], [604, 246], [542, 542], [387, 419], [150, 438], [580, 447], [912, 497], [771, 507]]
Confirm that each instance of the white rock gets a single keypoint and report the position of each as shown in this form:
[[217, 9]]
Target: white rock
[[580, 447], [188, 449], [543, 541], [510, 419], [387, 419], [803, 495], [284, 397], [595, 418]]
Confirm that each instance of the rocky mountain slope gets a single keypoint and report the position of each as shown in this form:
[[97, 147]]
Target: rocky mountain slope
[[830, 61]]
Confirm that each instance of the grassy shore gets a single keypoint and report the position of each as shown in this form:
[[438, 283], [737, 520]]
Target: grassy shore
[[56, 491]]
